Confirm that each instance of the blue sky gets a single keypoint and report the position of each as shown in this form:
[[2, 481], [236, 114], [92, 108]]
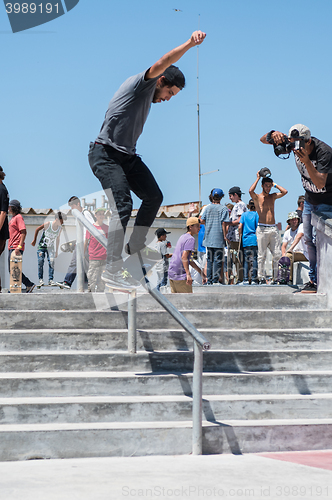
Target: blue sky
[[263, 66]]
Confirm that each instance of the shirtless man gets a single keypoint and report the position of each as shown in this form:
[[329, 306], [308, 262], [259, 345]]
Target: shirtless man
[[267, 233]]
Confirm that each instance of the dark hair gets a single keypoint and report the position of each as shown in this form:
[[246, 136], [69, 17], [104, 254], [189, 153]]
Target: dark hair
[[16, 210], [60, 216], [73, 201], [251, 205], [265, 180], [2, 174]]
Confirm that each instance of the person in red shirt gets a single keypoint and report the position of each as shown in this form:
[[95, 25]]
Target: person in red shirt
[[97, 254], [17, 235], [4, 200]]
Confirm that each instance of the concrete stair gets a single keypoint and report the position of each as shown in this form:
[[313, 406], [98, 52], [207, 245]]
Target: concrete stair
[[68, 388]]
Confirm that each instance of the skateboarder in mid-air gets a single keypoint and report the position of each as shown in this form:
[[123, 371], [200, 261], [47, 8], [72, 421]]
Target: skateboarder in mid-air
[[114, 161]]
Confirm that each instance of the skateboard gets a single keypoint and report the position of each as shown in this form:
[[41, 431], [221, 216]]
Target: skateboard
[[15, 273], [283, 271], [69, 246]]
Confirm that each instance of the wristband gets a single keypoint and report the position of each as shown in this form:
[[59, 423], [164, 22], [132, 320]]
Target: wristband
[[19, 247], [274, 185], [268, 137]]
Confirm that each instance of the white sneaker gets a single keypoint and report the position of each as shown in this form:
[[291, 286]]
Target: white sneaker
[[51, 283], [41, 282]]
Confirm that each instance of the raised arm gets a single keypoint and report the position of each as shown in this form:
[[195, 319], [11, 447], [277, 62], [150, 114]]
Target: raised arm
[[252, 193], [282, 190], [174, 55], [273, 137]]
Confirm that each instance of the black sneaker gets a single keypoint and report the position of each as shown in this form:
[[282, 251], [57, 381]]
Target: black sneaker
[[309, 287], [262, 281], [121, 279], [63, 284], [30, 288]]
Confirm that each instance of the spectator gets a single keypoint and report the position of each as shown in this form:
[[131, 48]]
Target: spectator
[[162, 247], [234, 253], [215, 216], [300, 206], [229, 279], [297, 252], [267, 232], [74, 202], [4, 200], [179, 274], [299, 210], [247, 229], [314, 162], [17, 235], [97, 254], [48, 246]]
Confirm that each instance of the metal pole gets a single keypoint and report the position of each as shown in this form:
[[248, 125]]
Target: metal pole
[[132, 337], [197, 399], [79, 256], [199, 138]]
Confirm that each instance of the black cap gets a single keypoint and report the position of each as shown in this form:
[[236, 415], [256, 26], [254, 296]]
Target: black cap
[[161, 231], [15, 203], [235, 190], [175, 76]]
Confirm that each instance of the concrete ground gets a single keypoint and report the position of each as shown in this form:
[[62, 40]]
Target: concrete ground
[[272, 476]]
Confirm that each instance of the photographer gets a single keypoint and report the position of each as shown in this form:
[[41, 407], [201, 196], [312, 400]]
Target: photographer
[[314, 162]]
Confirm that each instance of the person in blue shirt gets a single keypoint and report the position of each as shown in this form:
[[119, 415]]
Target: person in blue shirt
[[247, 228]]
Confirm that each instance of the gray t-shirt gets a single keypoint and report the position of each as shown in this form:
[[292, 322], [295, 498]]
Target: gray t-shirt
[[127, 113]]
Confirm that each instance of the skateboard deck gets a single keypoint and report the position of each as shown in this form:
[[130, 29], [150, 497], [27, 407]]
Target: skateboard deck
[[15, 285], [111, 289], [283, 271]]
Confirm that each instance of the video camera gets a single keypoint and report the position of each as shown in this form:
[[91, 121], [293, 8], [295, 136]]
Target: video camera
[[286, 147]]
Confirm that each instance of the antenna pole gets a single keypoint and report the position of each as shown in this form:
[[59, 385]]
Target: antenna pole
[[199, 130]]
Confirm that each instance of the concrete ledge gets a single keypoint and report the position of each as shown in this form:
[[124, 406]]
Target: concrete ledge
[[323, 226]]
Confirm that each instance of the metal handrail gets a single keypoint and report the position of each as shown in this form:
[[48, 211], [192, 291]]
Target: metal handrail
[[200, 342]]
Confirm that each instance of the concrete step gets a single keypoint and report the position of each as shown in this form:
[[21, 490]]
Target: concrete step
[[244, 318], [163, 339], [225, 300], [229, 361], [48, 384], [37, 441], [207, 298], [94, 409]]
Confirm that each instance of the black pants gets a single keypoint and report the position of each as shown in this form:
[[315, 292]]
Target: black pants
[[120, 173]]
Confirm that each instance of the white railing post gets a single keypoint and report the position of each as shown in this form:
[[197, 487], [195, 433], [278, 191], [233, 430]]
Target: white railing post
[[80, 256], [132, 336], [197, 399]]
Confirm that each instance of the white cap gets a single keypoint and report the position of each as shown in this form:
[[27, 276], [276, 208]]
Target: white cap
[[302, 130]]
